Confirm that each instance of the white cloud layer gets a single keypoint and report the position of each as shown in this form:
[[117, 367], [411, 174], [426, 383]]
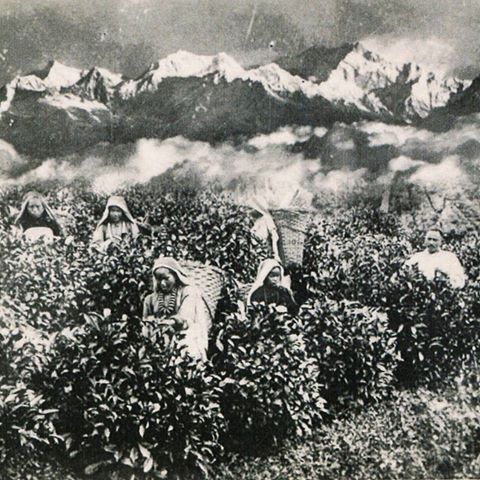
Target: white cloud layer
[[284, 136], [446, 174], [437, 160], [402, 164]]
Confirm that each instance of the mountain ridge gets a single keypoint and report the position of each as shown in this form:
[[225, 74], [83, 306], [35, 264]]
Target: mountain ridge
[[213, 97]]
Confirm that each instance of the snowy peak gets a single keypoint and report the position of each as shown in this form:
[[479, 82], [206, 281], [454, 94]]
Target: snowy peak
[[274, 79], [97, 84], [53, 77], [278, 81], [365, 69], [185, 64], [370, 82], [226, 67], [213, 98], [57, 75], [429, 92], [361, 79], [361, 50], [29, 83], [182, 64], [102, 75], [466, 101]]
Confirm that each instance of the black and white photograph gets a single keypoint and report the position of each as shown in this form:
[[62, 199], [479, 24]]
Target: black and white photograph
[[239, 240]]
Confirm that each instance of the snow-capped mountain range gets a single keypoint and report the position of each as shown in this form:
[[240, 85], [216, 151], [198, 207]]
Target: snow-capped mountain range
[[62, 109], [407, 91]]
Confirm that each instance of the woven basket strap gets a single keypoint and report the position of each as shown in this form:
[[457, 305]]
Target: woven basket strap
[[212, 314]]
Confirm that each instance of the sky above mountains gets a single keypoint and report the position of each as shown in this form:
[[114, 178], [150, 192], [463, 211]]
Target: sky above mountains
[[126, 35]]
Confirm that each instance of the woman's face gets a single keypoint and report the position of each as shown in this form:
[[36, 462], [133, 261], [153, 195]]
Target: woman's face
[[35, 207], [115, 214], [274, 277], [167, 280]]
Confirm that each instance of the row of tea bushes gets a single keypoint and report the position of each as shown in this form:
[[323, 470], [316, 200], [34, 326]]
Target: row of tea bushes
[[416, 434]]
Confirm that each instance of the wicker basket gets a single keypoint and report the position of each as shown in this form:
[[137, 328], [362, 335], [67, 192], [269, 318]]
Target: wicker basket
[[292, 228], [209, 279]]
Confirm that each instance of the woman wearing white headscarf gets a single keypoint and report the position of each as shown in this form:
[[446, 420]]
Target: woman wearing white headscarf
[[36, 219], [175, 297], [116, 225], [268, 287]]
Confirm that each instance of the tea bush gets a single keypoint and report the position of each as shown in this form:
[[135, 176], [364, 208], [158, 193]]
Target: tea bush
[[354, 349], [437, 329], [468, 252], [437, 326], [355, 222], [357, 268], [117, 280], [39, 281], [23, 350], [35, 465], [26, 421], [419, 434], [269, 383], [127, 398]]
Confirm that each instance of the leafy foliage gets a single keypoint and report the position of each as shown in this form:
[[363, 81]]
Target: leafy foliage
[[128, 397], [354, 349], [26, 420], [357, 268], [420, 434], [437, 328], [40, 282], [270, 387]]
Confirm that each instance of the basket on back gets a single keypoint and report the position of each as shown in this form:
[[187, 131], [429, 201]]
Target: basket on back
[[292, 228], [209, 280]]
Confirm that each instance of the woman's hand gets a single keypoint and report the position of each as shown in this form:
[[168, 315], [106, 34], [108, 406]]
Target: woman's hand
[[167, 322], [178, 323]]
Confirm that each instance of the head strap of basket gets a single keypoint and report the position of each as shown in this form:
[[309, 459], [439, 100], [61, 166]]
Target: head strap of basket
[[208, 279], [292, 225]]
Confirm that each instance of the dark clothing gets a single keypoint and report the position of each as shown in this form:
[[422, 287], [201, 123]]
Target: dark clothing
[[276, 295], [27, 221]]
